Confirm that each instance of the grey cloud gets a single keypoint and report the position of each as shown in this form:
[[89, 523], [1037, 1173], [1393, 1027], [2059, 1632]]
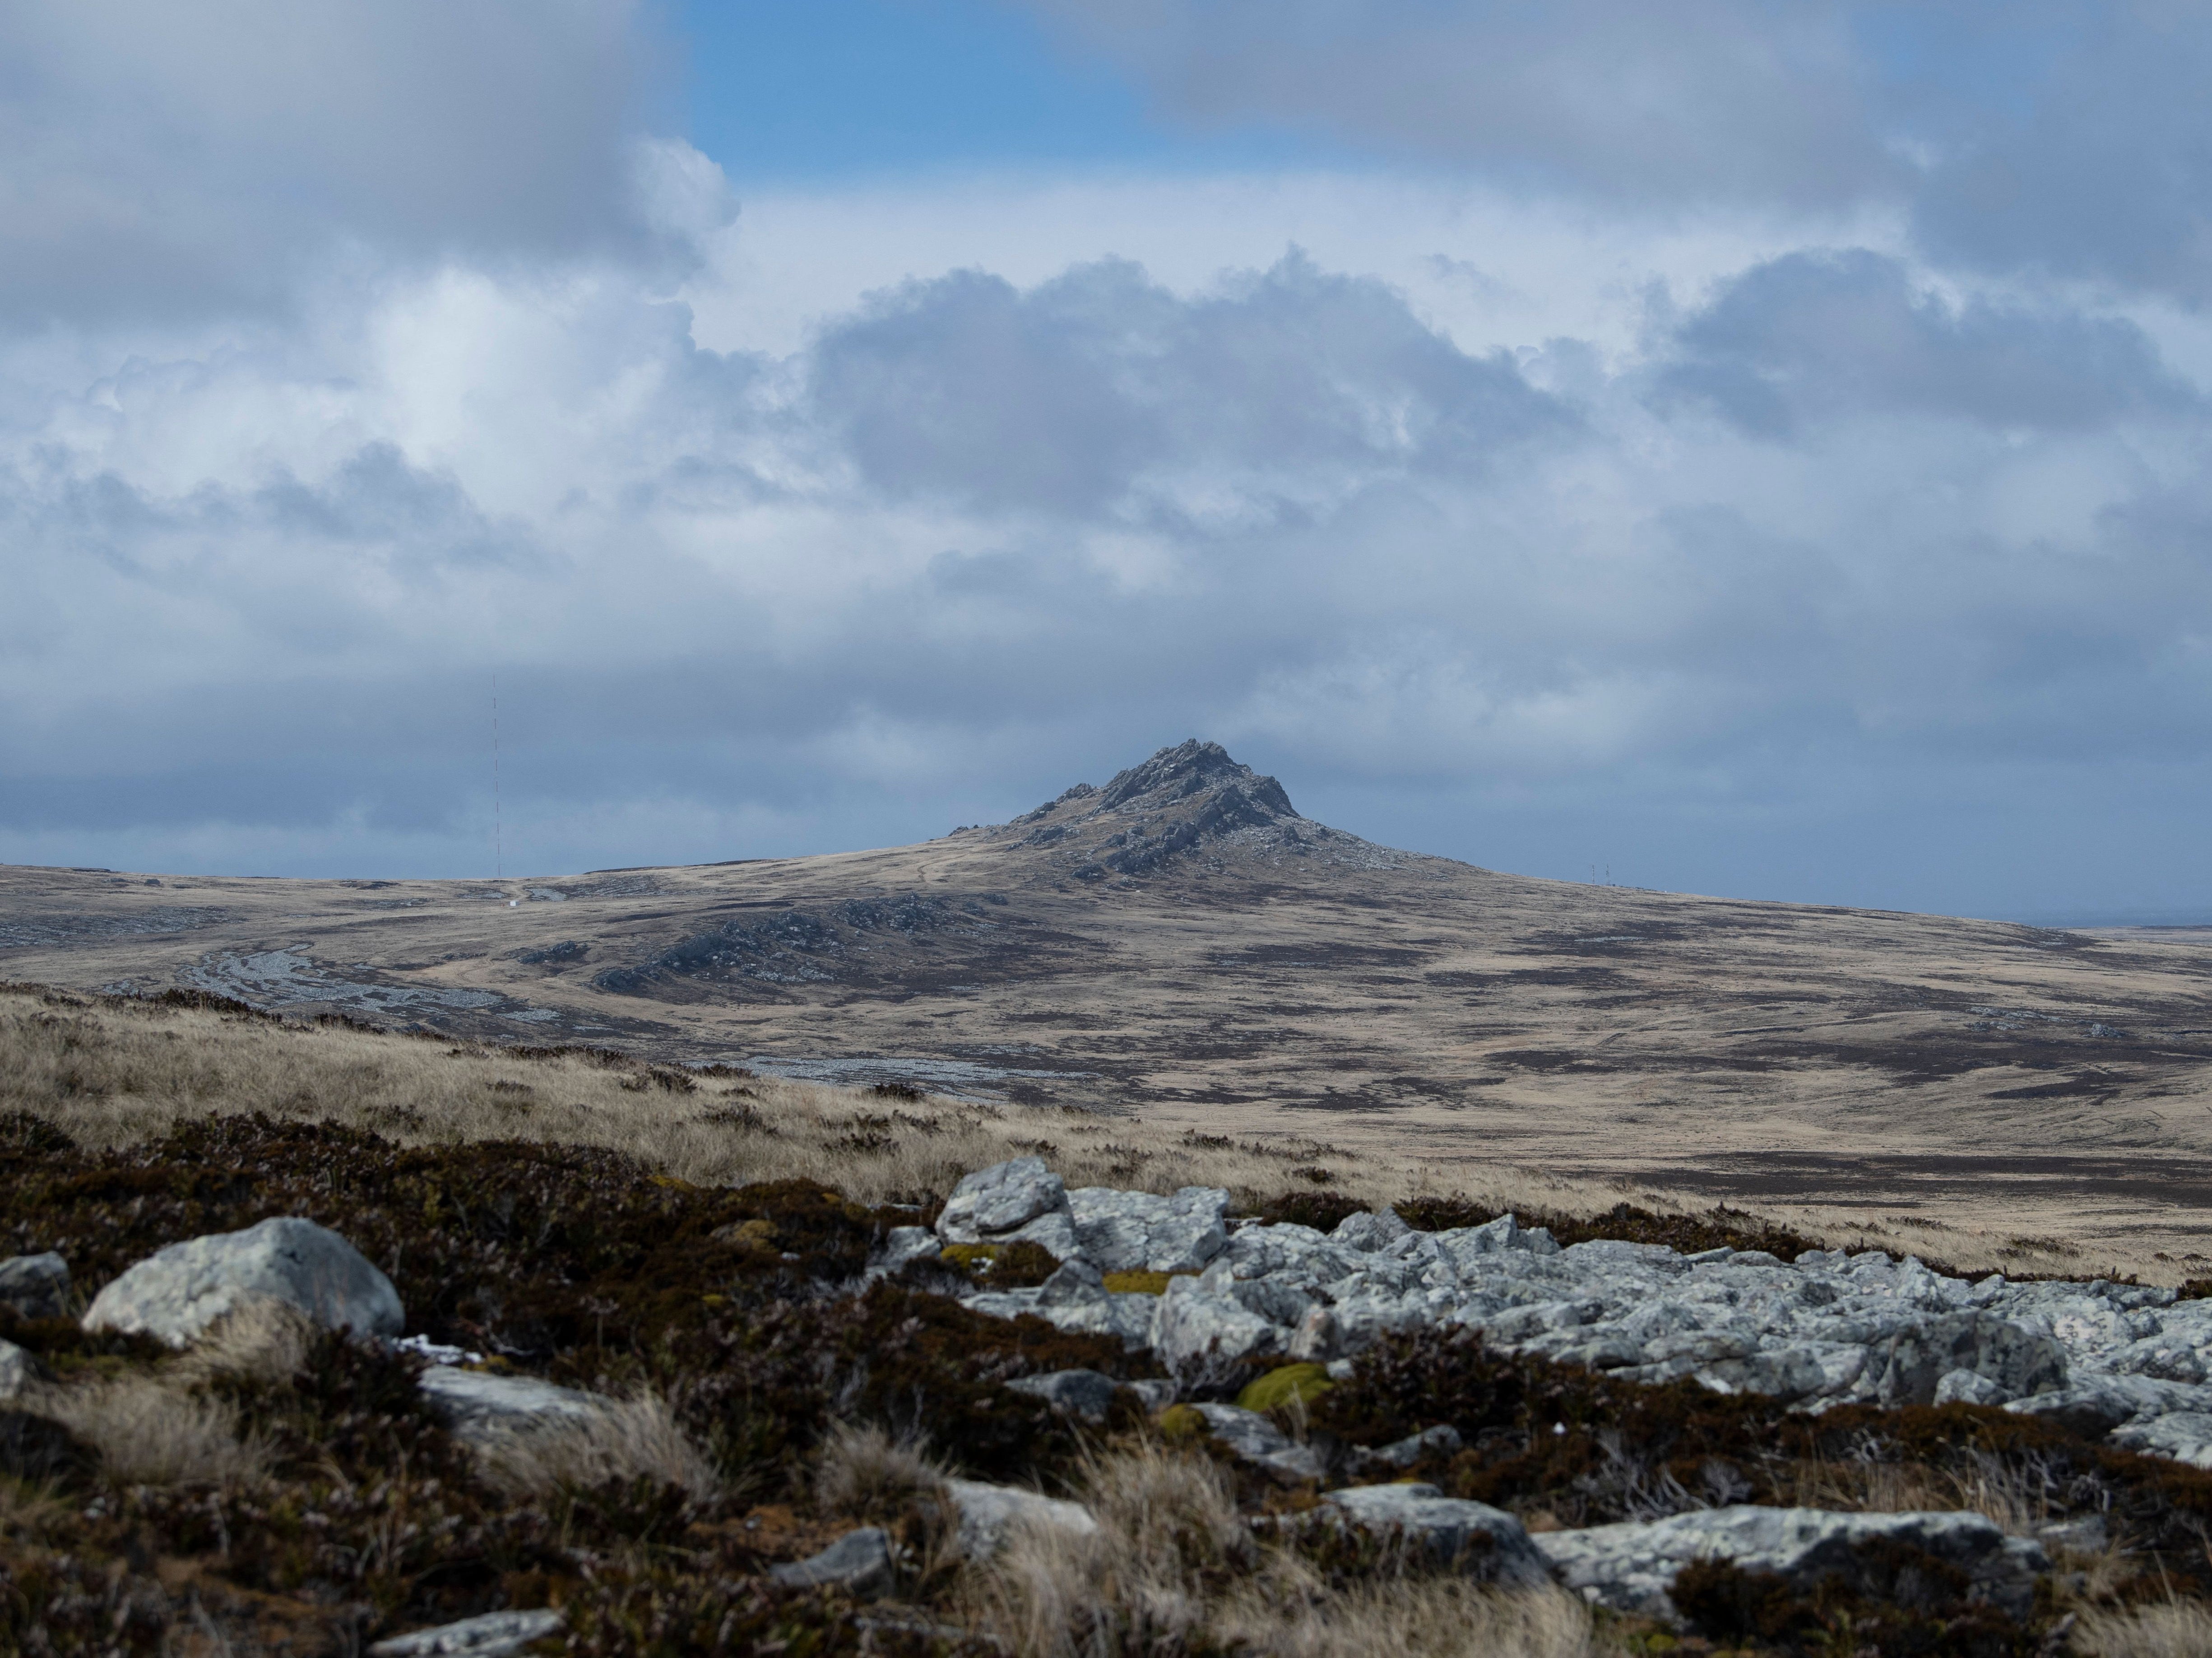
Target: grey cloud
[[1732, 100], [161, 160], [1065, 398], [1816, 336], [2055, 136]]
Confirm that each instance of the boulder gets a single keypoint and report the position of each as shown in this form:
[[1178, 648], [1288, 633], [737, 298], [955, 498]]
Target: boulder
[[1631, 1566], [494, 1635], [1079, 1393], [860, 1563], [1375, 1228], [480, 1405], [36, 1286], [1442, 1439], [992, 1202], [1472, 1539], [177, 1292], [987, 1513]]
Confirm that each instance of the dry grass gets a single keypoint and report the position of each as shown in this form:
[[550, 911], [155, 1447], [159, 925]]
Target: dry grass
[[1173, 1564], [2011, 1496], [112, 1071], [149, 1430], [263, 1340], [625, 1440], [2172, 1629], [864, 1473]]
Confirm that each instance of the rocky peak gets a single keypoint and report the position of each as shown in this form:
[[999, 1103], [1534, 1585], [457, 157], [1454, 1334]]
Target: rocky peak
[[1179, 798]]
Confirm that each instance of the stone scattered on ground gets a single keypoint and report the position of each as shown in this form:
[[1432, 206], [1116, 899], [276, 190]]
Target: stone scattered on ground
[[1253, 1437], [1631, 1566], [481, 1406], [859, 1562], [988, 1513], [1472, 1539], [36, 1286], [1827, 1329], [1081, 1392], [177, 1292], [494, 1635]]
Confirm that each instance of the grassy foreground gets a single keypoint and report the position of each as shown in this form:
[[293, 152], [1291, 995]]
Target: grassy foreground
[[686, 1244]]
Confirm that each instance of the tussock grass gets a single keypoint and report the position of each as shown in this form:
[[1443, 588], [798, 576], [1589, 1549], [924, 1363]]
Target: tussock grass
[[865, 1473], [149, 1430], [2171, 1628], [1174, 1567], [623, 1441]]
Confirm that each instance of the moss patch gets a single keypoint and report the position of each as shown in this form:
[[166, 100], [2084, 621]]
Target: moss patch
[[1302, 1382]]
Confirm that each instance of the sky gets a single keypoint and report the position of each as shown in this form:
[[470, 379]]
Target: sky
[[1754, 448]]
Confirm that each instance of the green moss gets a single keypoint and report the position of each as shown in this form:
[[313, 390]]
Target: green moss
[[1003, 1266], [1302, 1382], [1182, 1424], [1142, 1284]]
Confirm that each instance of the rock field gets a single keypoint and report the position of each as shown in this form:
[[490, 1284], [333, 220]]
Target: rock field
[[1823, 1330], [1218, 1299]]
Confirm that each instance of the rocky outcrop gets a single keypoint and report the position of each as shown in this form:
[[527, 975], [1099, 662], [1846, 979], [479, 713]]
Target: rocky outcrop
[[1631, 1566], [175, 1295], [1826, 1329]]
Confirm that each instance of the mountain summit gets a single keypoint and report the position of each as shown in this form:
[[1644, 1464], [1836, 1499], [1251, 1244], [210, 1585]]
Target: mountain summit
[[1185, 797]]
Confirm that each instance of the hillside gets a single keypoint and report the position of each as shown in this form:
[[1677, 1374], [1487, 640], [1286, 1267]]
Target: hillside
[[1180, 941]]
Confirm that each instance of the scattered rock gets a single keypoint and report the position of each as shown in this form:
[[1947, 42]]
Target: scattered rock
[[1080, 1393], [480, 1405], [859, 1562], [1442, 1439], [999, 1200], [1203, 1331], [2185, 1435], [1631, 1566], [987, 1513], [177, 1292], [36, 1286], [494, 1635], [1474, 1538], [902, 1246]]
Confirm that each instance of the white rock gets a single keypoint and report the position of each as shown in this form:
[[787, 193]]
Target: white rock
[[481, 1405], [1476, 1540], [904, 1245], [998, 1199], [1086, 1393], [1142, 1232], [177, 1293], [494, 1635], [1202, 1331], [1631, 1566], [2185, 1435], [987, 1513]]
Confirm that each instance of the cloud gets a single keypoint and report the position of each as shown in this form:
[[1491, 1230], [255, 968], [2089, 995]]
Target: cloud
[[164, 160], [1290, 384], [2056, 137], [1837, 333]]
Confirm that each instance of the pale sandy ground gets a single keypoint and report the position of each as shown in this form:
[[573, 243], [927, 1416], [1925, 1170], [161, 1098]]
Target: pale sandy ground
[[1960, 1084]]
